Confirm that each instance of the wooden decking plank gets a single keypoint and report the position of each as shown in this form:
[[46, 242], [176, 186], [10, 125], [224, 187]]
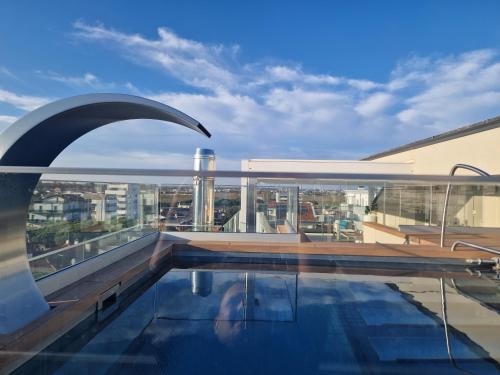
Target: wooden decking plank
[[339, 248]]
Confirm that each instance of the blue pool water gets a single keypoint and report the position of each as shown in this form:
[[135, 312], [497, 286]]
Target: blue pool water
[[277, 322]]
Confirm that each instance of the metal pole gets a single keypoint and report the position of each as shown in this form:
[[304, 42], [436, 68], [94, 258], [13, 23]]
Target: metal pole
[[474, 246], [430, 207], [448, 190], [203, 191], [384, 196], [445, 319]]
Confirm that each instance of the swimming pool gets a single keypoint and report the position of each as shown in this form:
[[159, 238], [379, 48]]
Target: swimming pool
[[256, 319]]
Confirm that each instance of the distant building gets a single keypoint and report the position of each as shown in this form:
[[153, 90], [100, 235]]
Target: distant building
[[61, 207], [127, 196], [148, 208], [103, 207], [361, 196]]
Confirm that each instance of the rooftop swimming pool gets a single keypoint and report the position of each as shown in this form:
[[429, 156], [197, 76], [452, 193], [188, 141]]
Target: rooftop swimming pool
[[257, 319]]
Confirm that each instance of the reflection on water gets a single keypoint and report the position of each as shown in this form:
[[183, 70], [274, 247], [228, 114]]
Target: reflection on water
[[237, 322]]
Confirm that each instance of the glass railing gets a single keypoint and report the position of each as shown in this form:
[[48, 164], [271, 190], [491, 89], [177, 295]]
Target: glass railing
[[472, 208], [71, 218], [71, 221]]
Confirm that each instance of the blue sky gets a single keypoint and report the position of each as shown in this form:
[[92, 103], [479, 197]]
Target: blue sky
[[281, 79]]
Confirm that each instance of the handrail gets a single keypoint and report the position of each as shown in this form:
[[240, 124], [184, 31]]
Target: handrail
[[445, 320], [475, 246], [448, 190], [376, 177]]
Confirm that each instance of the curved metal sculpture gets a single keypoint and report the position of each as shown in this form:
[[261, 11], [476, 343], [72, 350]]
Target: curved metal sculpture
[[36, 140]]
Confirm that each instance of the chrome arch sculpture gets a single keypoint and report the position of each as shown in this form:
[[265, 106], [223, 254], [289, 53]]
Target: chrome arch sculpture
[[36, 140]]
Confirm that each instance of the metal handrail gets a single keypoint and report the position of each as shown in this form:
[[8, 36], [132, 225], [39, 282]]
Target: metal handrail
[[445, 320], [475, 246], [448, 189], [349, 177]]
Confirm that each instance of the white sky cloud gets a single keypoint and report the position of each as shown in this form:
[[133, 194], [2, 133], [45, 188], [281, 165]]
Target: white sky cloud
[[25, 102], [6, 72], [7, 119], [197, 64], [375, 104], [87, 79], [257, 109]]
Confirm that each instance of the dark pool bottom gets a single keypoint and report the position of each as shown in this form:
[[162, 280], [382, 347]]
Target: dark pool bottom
[[195, 321]]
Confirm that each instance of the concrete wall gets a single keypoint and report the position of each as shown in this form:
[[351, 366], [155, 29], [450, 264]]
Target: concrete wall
[[394, 221], [480, 211], [372, 235], [325, 166]]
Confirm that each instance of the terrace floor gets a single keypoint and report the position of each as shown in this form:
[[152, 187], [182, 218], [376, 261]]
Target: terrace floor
[[338, 248]]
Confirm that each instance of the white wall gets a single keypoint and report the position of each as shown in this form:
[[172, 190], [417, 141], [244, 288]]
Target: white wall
[[480, 149]]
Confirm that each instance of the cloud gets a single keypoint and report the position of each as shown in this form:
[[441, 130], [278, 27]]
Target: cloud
[[7, 119], [375, 104], [363, 84], [197, 64], [87, 79], [450, 91], [7, 73], [262, 110], [278, 109], [24, 102], [282, 73]]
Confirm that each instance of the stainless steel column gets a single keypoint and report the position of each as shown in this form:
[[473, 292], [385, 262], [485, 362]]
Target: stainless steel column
[[203, 191], [201, 283], [251, 205]]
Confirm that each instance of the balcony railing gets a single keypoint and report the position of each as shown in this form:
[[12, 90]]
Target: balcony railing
[[316, 206]]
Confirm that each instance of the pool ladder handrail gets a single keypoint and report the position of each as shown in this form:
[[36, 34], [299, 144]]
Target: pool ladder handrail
[[475, 246], [448, 189]]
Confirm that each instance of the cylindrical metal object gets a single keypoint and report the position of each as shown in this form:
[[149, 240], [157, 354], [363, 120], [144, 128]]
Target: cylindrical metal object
[[203, 191], [201, 283]]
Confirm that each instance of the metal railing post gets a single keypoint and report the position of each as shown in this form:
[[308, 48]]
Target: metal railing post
[[448, 190]]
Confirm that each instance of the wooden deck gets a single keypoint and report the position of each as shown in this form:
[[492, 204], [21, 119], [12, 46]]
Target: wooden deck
[[339, 248]]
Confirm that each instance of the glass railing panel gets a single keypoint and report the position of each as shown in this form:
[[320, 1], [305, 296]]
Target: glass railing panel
[[176, 208], [340, 210], [417, 210], [276, 209], [323, 211], [401, 204], [335, 211], [71, 221], [468, 206]]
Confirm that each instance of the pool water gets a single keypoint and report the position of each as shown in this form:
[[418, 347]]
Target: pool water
[[198, 321]]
